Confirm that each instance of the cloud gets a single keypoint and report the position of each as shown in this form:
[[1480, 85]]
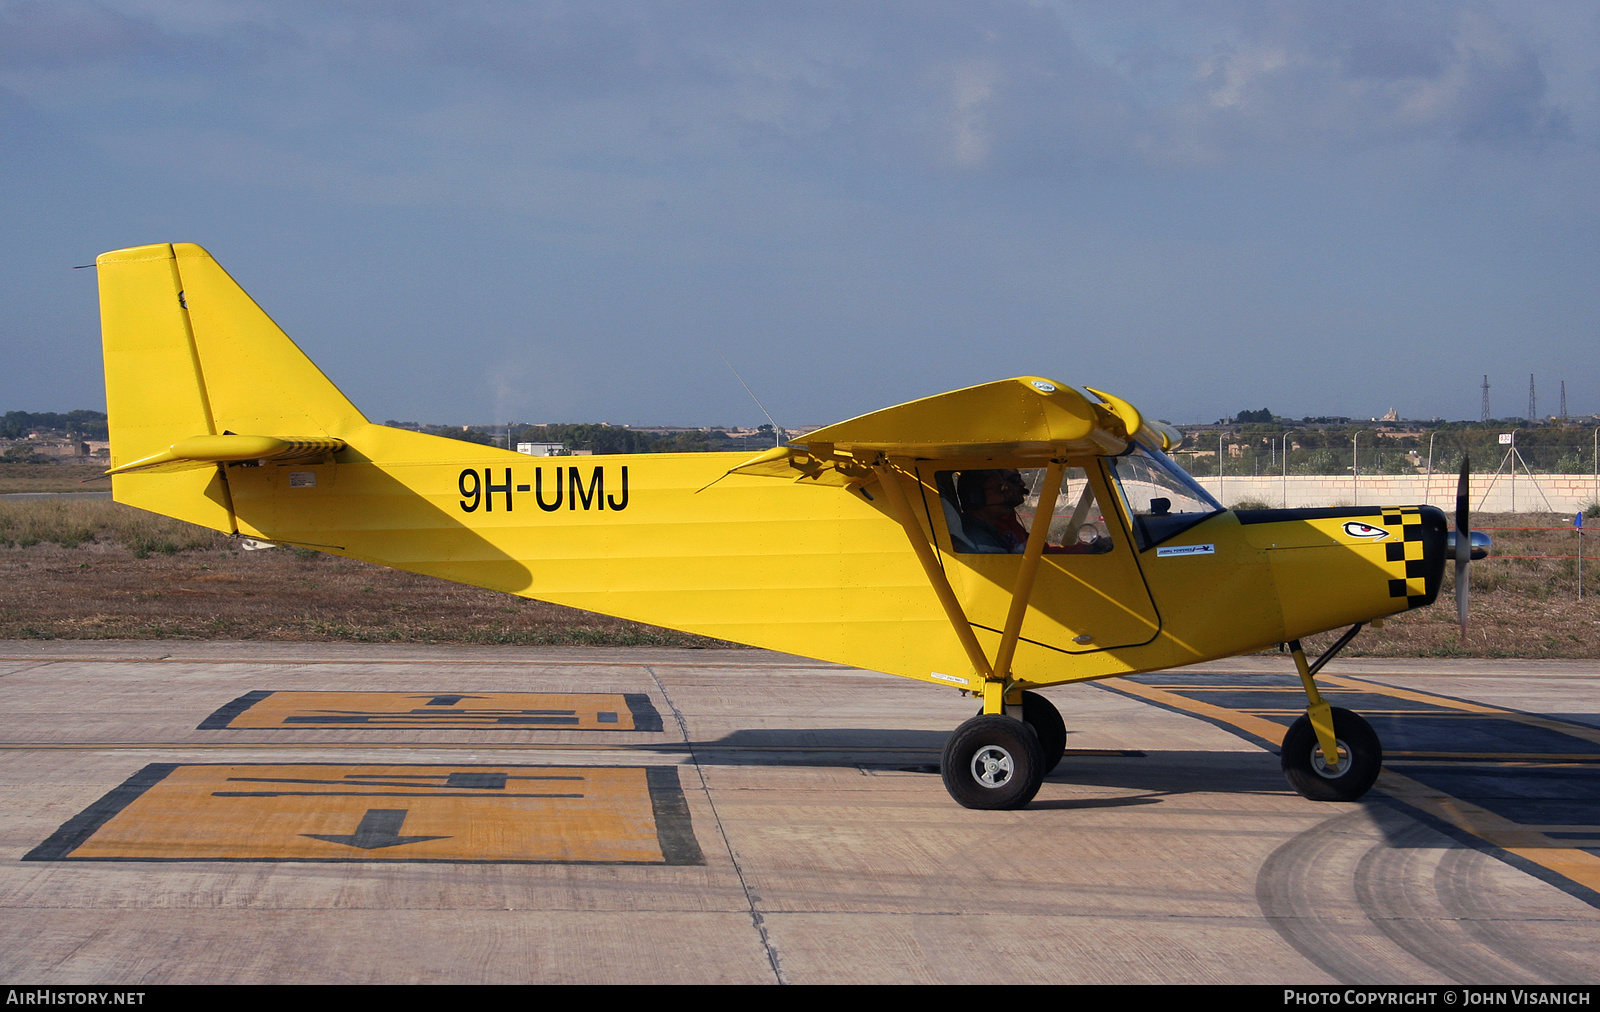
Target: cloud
[[1330, 78], [495, 96]]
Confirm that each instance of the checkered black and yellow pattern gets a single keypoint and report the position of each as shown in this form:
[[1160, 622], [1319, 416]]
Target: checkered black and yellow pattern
[[1403, 554]]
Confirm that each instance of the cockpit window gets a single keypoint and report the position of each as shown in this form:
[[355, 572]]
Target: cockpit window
[[990, 511], [1162, 498]]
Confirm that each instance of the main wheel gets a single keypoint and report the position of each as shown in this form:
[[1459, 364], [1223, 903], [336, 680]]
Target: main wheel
[[1308, 772], [993, 762], [1041, 715]]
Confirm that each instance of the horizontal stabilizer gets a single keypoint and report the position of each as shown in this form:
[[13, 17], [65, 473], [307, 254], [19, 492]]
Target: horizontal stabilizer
[[205, 451]]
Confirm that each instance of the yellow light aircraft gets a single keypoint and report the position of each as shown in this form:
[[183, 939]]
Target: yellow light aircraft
[[901, 540]]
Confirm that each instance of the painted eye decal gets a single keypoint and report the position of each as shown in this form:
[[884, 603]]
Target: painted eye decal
[[1357, 529]]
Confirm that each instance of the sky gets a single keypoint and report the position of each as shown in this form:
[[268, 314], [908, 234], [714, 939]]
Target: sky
[[557, 211]]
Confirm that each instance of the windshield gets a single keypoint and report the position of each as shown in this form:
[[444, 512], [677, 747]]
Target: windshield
[[1163, 500]]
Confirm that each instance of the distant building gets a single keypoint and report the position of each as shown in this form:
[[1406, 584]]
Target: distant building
[[542, 449]]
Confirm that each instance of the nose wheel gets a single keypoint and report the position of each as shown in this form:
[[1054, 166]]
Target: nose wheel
[[1359, 758]]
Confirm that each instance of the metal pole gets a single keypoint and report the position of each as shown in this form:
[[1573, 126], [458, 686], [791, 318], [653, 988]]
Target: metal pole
[[1219, 464], [1427, 483], [1355, 484], [1286, 468]]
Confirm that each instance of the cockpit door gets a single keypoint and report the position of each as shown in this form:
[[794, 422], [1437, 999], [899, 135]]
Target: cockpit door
[[1089, 594]]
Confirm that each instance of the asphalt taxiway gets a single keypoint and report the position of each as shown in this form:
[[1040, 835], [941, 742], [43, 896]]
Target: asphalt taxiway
[[328, 813]]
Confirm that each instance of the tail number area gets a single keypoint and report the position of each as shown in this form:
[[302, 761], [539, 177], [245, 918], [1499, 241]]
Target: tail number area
[[567, 486]]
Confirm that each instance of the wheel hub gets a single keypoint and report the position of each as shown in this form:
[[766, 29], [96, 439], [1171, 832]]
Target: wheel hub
[[1335, 771], [992, 766]]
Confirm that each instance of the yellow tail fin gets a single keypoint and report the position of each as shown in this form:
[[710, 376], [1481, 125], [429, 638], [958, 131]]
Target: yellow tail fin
[[188, 353]]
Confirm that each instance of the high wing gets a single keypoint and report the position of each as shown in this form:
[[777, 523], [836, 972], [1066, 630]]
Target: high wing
[[1028, 418]]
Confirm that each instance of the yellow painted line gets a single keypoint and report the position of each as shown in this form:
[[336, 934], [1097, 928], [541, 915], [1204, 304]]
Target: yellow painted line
[[1254, 724], [1515, 757], [1527, 842], [1268, 730], [311, 711], [1582, 731], [1191, 687], [1534, 720], [1346, 682], [305, 811], [1366, 712]]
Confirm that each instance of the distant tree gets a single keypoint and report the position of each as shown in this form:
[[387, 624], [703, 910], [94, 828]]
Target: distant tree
[[82, 424], [471, 435], [1263, 415]]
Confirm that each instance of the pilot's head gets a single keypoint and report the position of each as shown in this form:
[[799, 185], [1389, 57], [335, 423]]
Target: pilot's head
[[997, 487]]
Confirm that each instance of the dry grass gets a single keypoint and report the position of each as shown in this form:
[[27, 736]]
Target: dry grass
[[1519, 607], [65, 476], [99, 570], [70, 523]]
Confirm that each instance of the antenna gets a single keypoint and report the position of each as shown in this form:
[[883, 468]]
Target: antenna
[[779, 433], [1486, 398], [1533, 402]]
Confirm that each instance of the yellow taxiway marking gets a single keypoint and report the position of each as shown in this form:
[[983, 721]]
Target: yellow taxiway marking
[[496, 711], [1527, 842], [1503, 758], [384, 812], [1345, 683], [1268, 730]]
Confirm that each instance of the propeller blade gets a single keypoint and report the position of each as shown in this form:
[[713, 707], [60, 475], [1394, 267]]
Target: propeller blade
[[1463, 544]]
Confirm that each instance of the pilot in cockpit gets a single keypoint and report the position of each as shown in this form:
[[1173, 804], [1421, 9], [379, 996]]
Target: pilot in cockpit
[[988, 501]]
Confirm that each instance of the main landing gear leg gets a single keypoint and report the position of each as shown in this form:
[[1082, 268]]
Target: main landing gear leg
[[998, 759], [1330, 754]]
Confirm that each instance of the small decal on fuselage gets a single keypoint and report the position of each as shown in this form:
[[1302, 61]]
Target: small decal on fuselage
[[1357, 529], [568, 486], [952, 679], [1187, 550], [302, 479]]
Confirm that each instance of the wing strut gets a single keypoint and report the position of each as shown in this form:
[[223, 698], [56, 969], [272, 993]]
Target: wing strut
[[1023, 591], [997, 677], [896, 495]]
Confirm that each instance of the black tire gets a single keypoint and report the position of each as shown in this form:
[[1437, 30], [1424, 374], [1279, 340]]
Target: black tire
[[1361, 759], [1041, 715], [992, 763]]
